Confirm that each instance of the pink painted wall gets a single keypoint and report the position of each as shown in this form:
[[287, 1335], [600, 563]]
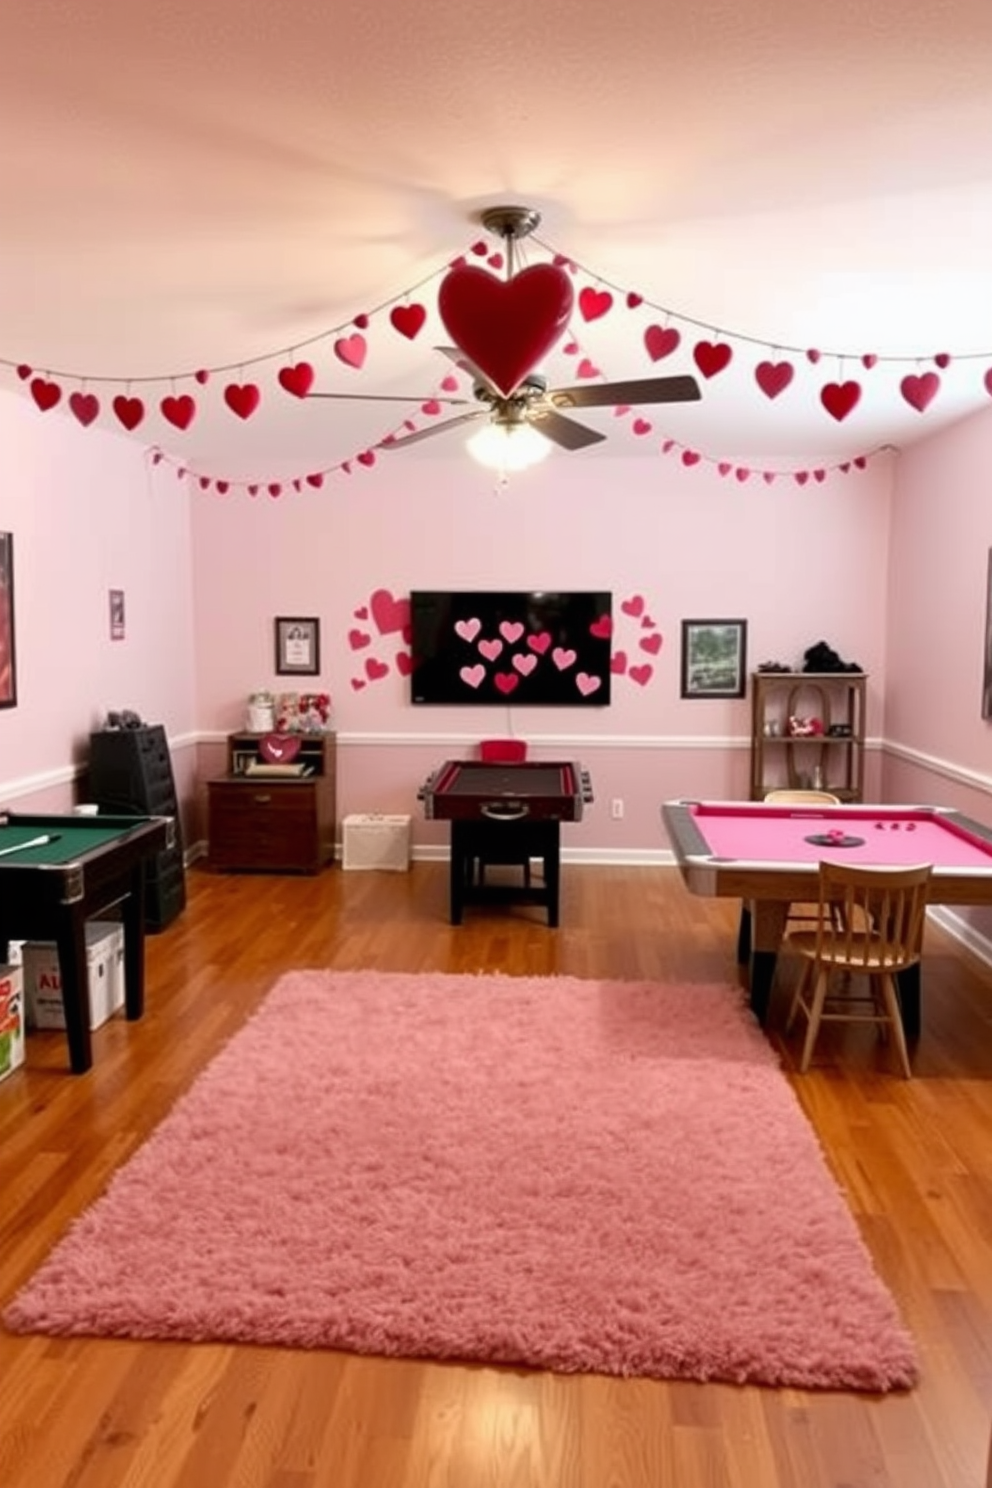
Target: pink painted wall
[[88, 517], [940, 747], [799, 563]]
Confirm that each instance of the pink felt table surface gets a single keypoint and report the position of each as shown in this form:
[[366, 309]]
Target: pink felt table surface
[[891, 838]]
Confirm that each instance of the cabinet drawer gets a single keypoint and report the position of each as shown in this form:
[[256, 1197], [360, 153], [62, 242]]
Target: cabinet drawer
[[266, 826]]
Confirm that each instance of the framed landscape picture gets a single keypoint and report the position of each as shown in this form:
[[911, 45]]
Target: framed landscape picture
[[714, 658], [8, 658], [297, 646], [987, 677]]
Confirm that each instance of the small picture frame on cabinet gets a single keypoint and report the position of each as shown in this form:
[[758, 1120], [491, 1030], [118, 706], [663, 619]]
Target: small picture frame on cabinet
[[297, 646], [714, 658]]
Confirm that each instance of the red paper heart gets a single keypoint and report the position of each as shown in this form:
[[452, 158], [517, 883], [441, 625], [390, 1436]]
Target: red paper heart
[[359, 639], [375, 670], [801, 477], [819, 475], [840, 398], [274, 490], [361, 322], [869, 360], [367, 458], [641, 426], [943, 359], [252, 490], [297, 380], [742, 473], [768, 476], [773, 377], [919, 392], [449, 384], [242, 398], [506, 682], [316, 480], [602, 628], [711, 356], [431, 407], [641, 674], [505, 326], [633, 606], [860, 461], [45, 394], [724, 467], [85, 406], [180, 411], [202, 376], [651, 643], [389, 614], [204, 482], [495, 260], [660, 341], [223, 487], [24, 371], [633, 300], [690, 457], [130, 411], [351, 350], [404, 663], [408, 319], [586, 368], [594, 302], [813, 355]]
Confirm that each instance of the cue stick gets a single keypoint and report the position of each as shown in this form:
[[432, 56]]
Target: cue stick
[[34, 842]]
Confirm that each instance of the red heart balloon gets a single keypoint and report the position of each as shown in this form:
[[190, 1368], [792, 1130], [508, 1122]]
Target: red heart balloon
[[505, 326]]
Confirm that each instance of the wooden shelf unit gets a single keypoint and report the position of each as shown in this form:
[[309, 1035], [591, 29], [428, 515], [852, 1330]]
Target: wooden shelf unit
[[831, 762], [274, 824]]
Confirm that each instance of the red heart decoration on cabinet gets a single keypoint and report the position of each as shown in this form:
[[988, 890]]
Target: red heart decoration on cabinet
[[839, 398], [773, 377], [297, 380], [130, 411], [242, 398], [408, 319], [711, 356], [594, 302], [660, 341], [180, 411], [920, 392], [505, 326], [85, 406]]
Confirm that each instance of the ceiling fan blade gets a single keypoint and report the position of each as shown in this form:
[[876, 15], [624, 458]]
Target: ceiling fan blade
[[402, 440], [563, 431], [392, 397], [640, 390]]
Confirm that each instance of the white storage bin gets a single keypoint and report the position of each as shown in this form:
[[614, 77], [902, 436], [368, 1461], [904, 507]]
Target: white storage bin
[[105, 968], [376, 841]]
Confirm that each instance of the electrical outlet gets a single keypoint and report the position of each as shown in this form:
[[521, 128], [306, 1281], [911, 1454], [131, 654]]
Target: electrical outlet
[[616, 808]]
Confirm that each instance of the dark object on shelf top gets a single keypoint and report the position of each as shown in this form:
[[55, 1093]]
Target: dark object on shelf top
[[773, 666], [823, 658], [125, 718]]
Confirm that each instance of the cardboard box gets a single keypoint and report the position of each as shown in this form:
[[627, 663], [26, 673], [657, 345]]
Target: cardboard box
[[376, 841], [11, 1019], [105, 970]]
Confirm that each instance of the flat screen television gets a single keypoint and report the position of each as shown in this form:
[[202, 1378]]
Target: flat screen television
[[520, 647]]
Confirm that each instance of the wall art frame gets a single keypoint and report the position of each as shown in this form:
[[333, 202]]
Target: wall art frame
[[714, 658], [8, 649], [297, 646]]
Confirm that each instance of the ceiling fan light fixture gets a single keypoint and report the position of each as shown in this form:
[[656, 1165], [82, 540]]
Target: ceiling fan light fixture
[[508, 447]]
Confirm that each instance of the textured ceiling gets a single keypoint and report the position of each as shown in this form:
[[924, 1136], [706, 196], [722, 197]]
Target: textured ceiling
[[215, 185]]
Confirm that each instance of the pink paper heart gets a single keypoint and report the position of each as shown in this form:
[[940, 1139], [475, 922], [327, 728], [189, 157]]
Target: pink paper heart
[[563, 657], [539, 642], [85, 407], [690, 457], [840, 398], [449, 384], [358, 683], [432, 407], [651, 643], [773, 377], [661, 341], [869, 360], [586, 368], [467, 630], [495, 260], [490, 648], [801, 477], [297, 379], [505, 326], [942, 359], [724, 467], [408, 319], [352, 350], [641, 674], [647, 623], [587, 683], [919, 392], [473, 676], [359, 639], [366, 458], [242, 398], [742, 473], [524, 664], [813, 355], [711, 356], [362, 613], [594, 303], [633, 606], [179, 411], [511, 631], [375, 670]]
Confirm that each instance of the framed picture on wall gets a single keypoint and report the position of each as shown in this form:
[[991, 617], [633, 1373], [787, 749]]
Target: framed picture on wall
[[714, 658], [116, 614], [297, 646], [8, 658], [987, 678]]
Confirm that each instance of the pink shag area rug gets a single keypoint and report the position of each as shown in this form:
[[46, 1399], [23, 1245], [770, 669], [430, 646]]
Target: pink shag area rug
[[600, 1176]]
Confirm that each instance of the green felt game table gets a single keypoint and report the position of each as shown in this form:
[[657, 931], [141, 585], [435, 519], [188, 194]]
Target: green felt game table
[[57, 872]]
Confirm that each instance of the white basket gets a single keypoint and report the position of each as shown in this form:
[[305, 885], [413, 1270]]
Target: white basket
[[376, 841]]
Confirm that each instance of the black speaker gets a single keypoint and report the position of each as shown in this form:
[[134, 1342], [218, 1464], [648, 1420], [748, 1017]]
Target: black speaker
[[130, 774]]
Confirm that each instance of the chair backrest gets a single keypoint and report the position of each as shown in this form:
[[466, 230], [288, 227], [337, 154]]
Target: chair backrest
[[503, 751], [802, 798], [881, 914]]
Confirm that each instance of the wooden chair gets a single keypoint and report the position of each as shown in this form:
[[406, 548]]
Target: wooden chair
[[877, 933], [802, 914]]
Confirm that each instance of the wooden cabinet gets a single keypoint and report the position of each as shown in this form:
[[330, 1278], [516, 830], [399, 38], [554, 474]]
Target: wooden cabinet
[[274, 823], [832, 758]]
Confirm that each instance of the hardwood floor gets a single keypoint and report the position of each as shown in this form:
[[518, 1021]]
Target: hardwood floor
[[915, 1158]]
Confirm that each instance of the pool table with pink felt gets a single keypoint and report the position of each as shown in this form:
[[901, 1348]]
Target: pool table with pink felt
[[762, 854]]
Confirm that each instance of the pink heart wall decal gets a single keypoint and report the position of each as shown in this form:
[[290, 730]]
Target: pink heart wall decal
[[362, 613], [388, 613], [539, 642], [85, 407], [408, 319], [505, 326], [587, 684], [490, 649], [357, 639], [651, 643], [351, 350], [711, 356], [297, 380], [467, 630], [179, 411], [473, 676], [773, 377], [511, 631], [563, 657], [524, 664], [602, 628], [661, 341], [618, 663], [404, 663], [840, 398], [633, 606], [358, 683], [375, 670], [919, 392]]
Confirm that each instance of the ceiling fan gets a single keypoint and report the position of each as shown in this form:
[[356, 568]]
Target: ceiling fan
[[519, 426]]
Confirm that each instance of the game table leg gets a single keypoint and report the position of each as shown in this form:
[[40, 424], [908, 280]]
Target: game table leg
[[910, 1001], [767, 920], [133, 921], [70, 941]]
